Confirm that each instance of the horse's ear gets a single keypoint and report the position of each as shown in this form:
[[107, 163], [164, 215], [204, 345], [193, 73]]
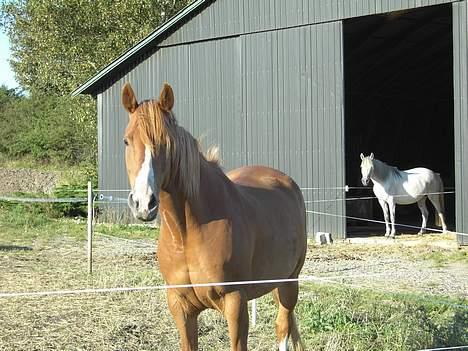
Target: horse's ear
[[371, 156], [166, 98], [362, 156], [129, 100]]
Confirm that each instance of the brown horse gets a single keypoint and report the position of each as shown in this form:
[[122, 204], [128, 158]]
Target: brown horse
[[247, 225]]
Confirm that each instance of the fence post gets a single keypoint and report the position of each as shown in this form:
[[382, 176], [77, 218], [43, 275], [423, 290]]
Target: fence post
[[254, 312], [90, 228]]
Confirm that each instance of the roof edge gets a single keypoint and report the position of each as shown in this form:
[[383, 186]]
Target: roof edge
[[87, 87]]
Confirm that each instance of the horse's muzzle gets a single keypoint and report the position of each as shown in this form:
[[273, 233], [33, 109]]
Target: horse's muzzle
[[144, 213], [365, 181]]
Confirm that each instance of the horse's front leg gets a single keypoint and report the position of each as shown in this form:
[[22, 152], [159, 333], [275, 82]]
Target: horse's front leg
[[186, 319], [423, 208], [237, 316], [383, 204], [391, 207]]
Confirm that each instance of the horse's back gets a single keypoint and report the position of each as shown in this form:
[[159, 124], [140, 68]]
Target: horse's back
[[269, 190], [274, 209], [262, 177], [415, 183], [422, 177], [421, 171]]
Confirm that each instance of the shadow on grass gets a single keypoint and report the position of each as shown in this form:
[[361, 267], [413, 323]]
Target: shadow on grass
[[15, 248]]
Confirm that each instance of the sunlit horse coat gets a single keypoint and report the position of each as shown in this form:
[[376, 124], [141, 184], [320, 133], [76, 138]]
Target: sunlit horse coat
[[247, 225], [392, 186]]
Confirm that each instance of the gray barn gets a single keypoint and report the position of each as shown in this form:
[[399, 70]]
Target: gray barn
[[305, 86]]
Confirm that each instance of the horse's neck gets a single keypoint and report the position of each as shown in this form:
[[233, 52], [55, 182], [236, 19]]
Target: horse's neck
[[180, 212], [381, 171]]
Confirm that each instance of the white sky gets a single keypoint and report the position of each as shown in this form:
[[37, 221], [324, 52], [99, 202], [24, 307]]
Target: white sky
[[6, 75]]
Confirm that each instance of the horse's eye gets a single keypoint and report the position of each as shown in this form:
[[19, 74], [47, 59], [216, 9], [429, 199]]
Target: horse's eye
[[125, 141]]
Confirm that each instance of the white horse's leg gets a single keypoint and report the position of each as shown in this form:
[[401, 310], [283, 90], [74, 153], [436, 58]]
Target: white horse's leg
[[391, 207], [442, 220], [435, 199], [423, 208], [383, 204]]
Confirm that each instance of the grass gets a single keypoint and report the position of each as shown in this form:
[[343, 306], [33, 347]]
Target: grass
[[39, 253]]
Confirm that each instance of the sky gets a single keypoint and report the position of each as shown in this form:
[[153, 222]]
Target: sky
[[6, 75]]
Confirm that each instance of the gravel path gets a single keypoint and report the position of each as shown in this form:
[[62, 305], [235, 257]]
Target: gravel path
[[398, 268], [26, 181]]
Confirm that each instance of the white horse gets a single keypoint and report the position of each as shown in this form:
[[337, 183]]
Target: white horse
[[392, 186]]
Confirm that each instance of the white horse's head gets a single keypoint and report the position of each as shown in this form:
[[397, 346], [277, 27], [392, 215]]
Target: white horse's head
[[367, 168]]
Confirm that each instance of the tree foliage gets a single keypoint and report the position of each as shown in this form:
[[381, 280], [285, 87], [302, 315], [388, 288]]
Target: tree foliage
[[42, 127], [57, 45]]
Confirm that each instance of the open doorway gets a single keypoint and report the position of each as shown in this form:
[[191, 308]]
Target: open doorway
[[398, 70]]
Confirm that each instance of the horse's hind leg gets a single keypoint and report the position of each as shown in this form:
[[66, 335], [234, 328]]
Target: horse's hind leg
[[436, 201], [423, 208], [286, 325]]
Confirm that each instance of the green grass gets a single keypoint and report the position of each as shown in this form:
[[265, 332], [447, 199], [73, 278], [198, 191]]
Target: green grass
[[364, 320], [25, 222], [133, 232], [444, 258]]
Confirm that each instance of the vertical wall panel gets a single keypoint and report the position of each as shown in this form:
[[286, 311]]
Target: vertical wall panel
[[205, 80], [294, 81], [460, 75]]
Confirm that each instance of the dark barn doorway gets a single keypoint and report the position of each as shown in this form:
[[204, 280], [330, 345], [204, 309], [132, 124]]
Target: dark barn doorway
[[398, 70]]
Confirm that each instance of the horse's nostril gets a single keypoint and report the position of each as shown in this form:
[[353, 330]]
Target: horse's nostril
[[152, 204]]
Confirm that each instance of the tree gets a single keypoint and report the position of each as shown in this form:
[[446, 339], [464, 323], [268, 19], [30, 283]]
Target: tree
[[57, 45], [8, 95]]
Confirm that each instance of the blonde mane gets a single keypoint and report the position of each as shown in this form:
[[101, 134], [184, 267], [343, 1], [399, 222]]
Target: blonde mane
[[160, 130]]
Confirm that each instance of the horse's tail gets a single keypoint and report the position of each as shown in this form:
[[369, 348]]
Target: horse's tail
[[438, 222], [296, 342]]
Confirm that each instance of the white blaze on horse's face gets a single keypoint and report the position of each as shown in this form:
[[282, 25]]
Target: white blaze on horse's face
[[367, 168], [142, 199]]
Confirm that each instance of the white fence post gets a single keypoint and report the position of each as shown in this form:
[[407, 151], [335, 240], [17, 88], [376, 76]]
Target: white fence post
[[90, 228], [254, 312]]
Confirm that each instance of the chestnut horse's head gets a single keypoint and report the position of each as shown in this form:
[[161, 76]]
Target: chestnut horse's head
[[147, 144]]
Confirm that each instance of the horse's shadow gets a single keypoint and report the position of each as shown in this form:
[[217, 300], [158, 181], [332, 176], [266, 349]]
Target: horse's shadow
[[15, 248]]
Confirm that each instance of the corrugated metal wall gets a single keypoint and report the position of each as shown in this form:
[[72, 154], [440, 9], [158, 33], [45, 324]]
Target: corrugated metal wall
[[228, 17], [460, 76], [293, 98], [205, 79], [265, 98], [268, 95]]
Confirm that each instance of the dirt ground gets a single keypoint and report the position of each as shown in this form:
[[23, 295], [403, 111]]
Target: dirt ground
[[430, 264], [26, 181], [139, 321]]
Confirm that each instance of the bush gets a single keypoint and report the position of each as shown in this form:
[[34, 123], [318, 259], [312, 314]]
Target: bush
[[48, 129]]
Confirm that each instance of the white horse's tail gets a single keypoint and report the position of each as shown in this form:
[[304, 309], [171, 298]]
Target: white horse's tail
[[438, 222]]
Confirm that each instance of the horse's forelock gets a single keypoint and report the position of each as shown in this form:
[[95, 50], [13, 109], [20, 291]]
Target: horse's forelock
[[155, 125], [159, 129]]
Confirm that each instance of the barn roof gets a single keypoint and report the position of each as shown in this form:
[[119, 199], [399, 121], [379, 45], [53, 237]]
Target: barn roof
[[128, 57]]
